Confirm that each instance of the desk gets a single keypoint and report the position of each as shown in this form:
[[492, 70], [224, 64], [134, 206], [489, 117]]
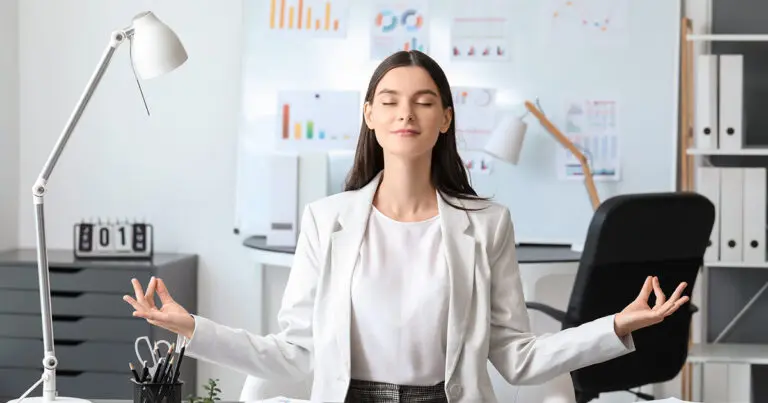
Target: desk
[[536, 262]]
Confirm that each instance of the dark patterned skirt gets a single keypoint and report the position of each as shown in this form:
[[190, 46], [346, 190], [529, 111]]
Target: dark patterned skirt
[[378, 392]]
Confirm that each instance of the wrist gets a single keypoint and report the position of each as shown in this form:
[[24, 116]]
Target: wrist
[[189, 329], [618, 326]]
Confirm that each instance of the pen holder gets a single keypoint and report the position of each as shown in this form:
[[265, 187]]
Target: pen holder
[[156, 392]]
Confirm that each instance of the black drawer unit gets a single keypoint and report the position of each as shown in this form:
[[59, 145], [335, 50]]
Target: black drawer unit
[[93, 329]]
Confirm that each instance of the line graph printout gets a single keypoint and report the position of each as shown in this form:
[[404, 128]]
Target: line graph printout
[[585, 22]]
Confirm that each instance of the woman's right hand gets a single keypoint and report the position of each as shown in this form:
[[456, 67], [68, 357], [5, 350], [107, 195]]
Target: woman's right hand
[[170, 315]]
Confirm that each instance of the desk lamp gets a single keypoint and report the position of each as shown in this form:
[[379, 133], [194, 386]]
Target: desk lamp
[[155, 49], [506, 142]]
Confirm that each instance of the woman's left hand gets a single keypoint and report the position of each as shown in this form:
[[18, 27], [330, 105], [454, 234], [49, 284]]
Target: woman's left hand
[[639, 314]]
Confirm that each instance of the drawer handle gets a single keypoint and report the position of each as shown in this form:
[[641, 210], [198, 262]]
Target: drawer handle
[[67, 343], [64, 270], [67, 318], [65, 372], [66, 294]]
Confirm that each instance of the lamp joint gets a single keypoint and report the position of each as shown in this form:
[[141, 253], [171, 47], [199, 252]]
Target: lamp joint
[[39, 189]]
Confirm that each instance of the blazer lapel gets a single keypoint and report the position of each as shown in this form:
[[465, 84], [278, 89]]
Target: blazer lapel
[[460, 256], [345, 249]]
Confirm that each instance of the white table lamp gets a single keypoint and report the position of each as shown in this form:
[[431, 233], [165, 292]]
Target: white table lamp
[[507, 139], [155, 50]]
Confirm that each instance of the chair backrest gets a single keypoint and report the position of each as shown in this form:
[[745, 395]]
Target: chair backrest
[[631, 237]]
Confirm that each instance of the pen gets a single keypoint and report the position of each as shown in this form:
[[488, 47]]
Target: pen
[[144, 372], [178, 364], [135, 374], [158, 370]]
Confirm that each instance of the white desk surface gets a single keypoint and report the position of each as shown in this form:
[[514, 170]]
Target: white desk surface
[[729, 353]]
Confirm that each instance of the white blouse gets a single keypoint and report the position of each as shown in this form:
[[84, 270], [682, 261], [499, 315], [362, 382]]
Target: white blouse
[[400, 303]]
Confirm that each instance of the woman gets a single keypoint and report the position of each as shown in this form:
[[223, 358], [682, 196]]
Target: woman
[[406, 283]]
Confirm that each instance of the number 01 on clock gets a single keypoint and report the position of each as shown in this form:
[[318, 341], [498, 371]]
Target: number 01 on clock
[[120, 240]]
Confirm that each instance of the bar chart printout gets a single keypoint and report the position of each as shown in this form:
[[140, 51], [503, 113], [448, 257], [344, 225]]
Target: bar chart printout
[[307, 18], [318, 120]]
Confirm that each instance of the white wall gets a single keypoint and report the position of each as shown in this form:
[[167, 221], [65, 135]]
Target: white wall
[[9, 123], [176, 168]]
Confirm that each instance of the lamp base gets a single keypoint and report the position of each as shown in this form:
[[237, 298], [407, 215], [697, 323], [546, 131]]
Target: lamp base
[[57, 399]]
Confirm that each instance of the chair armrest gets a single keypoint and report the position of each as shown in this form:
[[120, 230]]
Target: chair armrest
[[553, 313], [693, 307]]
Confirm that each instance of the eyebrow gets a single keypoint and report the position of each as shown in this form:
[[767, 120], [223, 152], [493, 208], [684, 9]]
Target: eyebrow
[[419, 92]]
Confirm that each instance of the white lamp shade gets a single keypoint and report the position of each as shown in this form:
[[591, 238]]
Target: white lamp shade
[[156, 49], [506, 141]]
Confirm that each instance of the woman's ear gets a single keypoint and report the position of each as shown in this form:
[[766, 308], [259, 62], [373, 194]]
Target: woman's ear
[[367, 110], [447, 118]]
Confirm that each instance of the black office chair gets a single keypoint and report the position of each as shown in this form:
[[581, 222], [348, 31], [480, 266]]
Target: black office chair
[[632, 237]]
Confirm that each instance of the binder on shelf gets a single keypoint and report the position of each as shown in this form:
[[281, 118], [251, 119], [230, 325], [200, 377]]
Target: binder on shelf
[[754, 215], [283, 194], [731, 105], [708, 185], [731, 216], [705, 123]]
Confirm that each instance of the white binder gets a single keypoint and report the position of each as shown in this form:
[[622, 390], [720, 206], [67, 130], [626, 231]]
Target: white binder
[[754, 214], [731, 217], [731, 102], [283, 194], [708, 185], [705, 123]]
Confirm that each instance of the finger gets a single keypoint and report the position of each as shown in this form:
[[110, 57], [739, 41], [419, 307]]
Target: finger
[[680, 302], [135, 304], [149, 296], [660, 297], [137, 289], [675, 297], [645, 292], [163, 293], [156, 316]]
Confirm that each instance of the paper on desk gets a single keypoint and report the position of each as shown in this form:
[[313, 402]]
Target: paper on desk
[[281, 399], [669, 400]]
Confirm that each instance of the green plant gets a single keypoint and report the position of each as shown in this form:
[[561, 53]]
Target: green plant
[[213, 393]]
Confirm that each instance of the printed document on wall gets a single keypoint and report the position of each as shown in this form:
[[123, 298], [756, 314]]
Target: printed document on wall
[[480, 31], [475, 111], [399, 25], [306, 18], [318, 120], [592, 125], [585, 22]]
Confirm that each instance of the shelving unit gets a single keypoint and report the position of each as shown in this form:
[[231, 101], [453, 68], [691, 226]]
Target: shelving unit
[[716, 346], [715, 151]]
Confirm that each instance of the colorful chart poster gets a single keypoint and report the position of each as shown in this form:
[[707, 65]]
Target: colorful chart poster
[[480, 31], [307, 18], [399, 26], [475, 112], [318, 120], [592, 125], [586, 22]]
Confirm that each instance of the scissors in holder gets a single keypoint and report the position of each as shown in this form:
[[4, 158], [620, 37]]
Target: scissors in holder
[[151, 355]]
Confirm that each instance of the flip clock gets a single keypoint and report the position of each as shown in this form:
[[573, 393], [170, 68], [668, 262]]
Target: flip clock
[[132, 240]]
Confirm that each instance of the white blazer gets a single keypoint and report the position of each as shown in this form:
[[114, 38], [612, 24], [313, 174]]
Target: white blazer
[[487, 314]]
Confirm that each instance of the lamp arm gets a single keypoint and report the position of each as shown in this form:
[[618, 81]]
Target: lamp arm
[[568, 144], [38, 192]]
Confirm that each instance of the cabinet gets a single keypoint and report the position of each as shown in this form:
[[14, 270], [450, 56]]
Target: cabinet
[[94, 331]]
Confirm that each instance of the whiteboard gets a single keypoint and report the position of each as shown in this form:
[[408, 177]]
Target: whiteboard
[[639, 70]]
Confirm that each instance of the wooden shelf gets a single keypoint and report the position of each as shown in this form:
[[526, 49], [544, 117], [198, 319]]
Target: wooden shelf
[[715, 151]]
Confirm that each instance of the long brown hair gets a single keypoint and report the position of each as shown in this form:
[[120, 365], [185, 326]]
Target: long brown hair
[[448, 173]]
